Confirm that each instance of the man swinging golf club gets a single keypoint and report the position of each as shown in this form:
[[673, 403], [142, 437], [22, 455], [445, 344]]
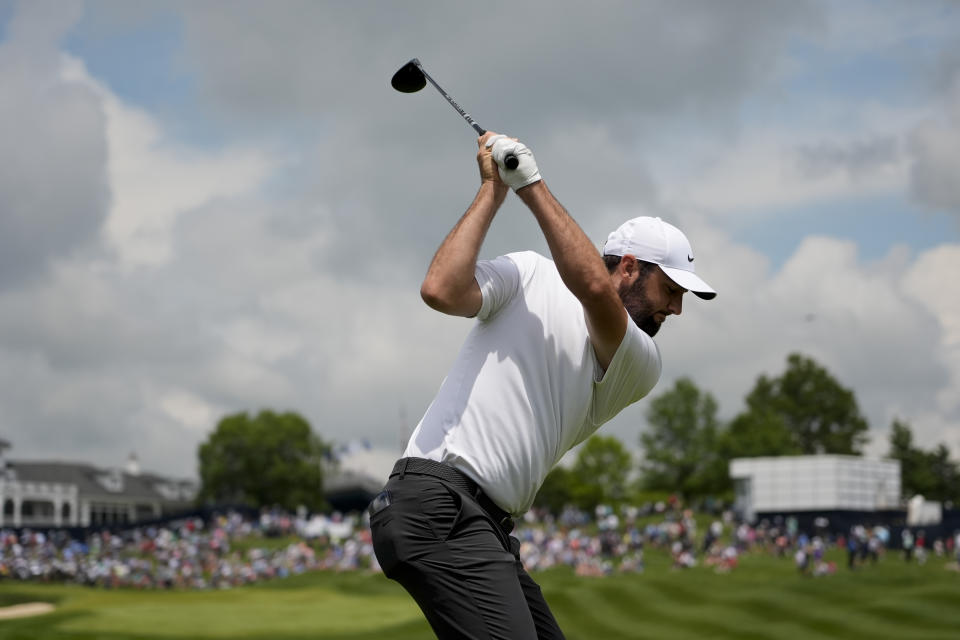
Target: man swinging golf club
[[559, 348]]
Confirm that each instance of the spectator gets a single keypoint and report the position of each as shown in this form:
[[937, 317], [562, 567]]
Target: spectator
[[906, 541], [802, 559]]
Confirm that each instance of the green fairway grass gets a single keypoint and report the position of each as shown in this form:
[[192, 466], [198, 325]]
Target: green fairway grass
[[762, 599]]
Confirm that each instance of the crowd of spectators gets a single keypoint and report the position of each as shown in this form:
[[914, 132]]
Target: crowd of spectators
[[225, 551], [619, 541], [231, 549]]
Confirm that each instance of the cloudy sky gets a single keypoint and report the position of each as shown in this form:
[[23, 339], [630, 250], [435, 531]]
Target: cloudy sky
[[209, 207]]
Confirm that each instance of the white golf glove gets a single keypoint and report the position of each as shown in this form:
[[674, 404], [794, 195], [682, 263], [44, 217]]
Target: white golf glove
[[526, 171]]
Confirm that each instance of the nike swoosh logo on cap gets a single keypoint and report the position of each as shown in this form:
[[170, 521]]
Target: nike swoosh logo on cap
[[689, 258]]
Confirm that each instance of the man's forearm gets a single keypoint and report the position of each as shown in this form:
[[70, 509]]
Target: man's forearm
[[577, 259], [450, 280]]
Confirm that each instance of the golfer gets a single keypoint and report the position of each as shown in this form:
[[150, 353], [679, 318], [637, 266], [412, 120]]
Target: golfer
[[559, 348]]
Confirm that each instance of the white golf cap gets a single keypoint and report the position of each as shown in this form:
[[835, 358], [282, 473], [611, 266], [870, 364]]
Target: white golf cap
[[653, 240]]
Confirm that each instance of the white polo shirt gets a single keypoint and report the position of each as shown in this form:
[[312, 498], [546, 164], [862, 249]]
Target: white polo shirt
[[526, 386]]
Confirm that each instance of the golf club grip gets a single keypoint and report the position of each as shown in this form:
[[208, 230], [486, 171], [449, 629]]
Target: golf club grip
[[509, 161]]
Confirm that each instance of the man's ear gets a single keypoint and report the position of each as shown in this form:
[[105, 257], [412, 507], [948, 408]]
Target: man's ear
[[629, 267]]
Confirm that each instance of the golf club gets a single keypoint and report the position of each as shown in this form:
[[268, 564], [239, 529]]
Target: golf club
[[411, 78]]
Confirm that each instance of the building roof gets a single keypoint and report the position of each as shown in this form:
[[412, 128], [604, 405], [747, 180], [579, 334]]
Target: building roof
[[349, 480], [374, 463], [86, 478]]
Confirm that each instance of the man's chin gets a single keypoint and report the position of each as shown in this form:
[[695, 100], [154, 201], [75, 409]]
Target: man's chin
[[649, 326]]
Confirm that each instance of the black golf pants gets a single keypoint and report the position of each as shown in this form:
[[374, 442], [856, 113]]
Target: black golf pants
[[462, 569]]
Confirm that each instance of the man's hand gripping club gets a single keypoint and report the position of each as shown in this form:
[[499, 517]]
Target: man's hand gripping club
[[526, 172]]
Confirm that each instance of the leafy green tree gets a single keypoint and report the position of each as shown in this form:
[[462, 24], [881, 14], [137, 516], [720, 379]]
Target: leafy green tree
[[819, 414], [946, 474], [915, 477], [760, 430], [901, 441], [681, 449], [601, 472], [271, 459], [929, 473]]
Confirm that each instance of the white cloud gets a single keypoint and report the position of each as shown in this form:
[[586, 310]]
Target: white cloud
[[930, 282], [772, 169], [189, 410], [935, 144], [258, 340], [53, 191], [154, 179]]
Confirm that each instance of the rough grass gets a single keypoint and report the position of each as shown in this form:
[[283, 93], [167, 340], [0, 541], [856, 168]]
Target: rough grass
[[763, 599]]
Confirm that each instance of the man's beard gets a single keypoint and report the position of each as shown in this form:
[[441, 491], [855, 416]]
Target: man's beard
[[639, 307]]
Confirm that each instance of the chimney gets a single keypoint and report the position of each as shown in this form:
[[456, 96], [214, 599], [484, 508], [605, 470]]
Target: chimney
[[4, 445], [133, 464]]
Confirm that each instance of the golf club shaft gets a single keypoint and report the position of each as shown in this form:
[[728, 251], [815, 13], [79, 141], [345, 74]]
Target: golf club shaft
[[466, 116], [510, 160]]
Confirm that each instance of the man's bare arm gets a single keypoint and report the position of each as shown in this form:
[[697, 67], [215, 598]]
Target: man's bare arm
[[581, 269], [450, 285]]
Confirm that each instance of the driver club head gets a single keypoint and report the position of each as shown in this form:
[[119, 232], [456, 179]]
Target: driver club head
[[409, 79]]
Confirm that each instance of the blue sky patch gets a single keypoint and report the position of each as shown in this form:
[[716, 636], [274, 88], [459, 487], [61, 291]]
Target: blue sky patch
[[875, 225]]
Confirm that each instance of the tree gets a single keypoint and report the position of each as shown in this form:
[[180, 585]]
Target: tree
[[760, 430], [681, 448], [915, 476], [600, 473], [927, 473], [807, 403], [946, 475], [272, 459], [901, 441]]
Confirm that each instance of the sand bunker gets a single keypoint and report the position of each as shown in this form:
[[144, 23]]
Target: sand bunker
[[24, 610]]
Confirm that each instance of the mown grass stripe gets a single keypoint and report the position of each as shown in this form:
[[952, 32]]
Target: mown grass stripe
[[763, 599], [586, 614], [833, 610]]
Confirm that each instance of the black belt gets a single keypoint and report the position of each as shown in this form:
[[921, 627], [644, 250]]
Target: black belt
[[424, 467]]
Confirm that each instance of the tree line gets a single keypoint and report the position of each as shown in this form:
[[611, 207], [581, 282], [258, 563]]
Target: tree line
[[276, 459], [686, 450]]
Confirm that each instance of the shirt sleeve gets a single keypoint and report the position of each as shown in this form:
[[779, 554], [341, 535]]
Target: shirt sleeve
[[632, 374], [499, 281]]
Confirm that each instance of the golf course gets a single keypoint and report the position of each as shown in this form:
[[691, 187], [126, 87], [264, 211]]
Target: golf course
[[764, 598]]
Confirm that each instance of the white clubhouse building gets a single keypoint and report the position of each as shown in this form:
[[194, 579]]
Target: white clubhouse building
[[73, 494]]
